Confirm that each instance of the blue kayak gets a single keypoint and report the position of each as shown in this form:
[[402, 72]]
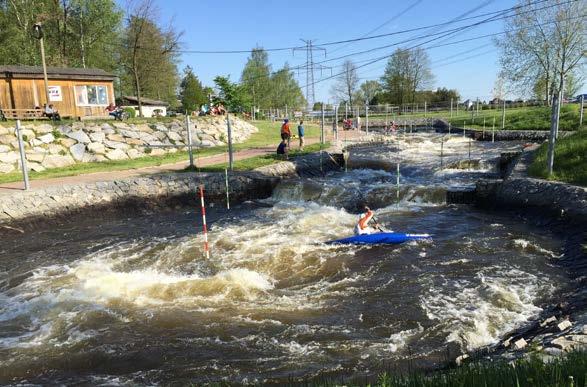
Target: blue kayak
[[380, 238]]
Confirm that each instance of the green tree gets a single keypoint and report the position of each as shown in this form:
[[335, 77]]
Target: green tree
[[234, 96], [407, 71], [256, 78], [368, 91], [191, 91], [285, 90]]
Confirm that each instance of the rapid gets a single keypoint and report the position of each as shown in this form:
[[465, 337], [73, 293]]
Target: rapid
[[132, 300]]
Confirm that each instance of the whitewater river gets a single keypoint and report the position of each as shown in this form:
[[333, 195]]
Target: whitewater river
[[134, 301]]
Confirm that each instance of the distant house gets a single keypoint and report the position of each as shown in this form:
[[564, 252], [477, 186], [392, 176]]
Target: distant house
[[74, 92], [151, 107]]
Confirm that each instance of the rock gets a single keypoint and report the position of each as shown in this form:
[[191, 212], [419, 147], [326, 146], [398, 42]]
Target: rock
[[36, 167], [130, 134], [553, 351], [116, 154], [6, 139], [9, 157], [459, 360], [35, 157], [67, 142], [174, 136], [582, 339], [96, 148], [134, 153], [207, 143], [564, 344], [47, 138], [92, 158], [133, 141], [520, 344], [97, 137], [56, 149], [564, 325], [78, 151], [28, 134], [549, 320], [115, 137], [115, 145], [157, 152], [58, 161], [36, 142], [585, 329], [43, 128], [79, 136], [4, 130], [5, 148], [6, 168], [108, 131], [94, 129]]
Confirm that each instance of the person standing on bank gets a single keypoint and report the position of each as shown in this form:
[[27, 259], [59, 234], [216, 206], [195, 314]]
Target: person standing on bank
[[285, 132], [301, 134]]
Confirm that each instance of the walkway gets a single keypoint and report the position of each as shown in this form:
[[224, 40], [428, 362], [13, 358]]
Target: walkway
[[8, 188]]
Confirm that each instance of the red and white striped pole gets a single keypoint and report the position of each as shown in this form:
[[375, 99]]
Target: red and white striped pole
[[204, 226]]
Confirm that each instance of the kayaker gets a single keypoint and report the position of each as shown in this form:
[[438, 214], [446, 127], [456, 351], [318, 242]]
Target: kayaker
[[285, 132], [362, 226]]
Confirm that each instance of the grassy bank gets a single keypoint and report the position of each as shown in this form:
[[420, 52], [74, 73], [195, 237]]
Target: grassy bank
[[567, 371], [268, 135], [529, 118], [262, 161], [570, 160]]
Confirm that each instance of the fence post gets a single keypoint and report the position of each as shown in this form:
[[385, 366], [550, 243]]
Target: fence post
[[204, 226], [581, 112], [503, 116], [25, 172], [230, 160], [189, 130], [553, 127]]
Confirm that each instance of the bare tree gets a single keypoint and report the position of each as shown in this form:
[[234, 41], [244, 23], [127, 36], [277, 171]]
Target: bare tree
[[543, 43], [149, 52], [347, 82]]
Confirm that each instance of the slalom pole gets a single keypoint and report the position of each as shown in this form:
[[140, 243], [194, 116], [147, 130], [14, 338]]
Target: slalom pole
[[441, 151], [493, 131], [227, 198], [464, 129], [469, 153], [204, 226], [397, 182]]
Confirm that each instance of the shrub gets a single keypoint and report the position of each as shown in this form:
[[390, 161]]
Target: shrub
[[131, 112], [148, 150], [57, 134]]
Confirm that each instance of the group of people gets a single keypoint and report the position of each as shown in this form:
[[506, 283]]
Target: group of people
[[215, 110], [284, 145], [50, 112]]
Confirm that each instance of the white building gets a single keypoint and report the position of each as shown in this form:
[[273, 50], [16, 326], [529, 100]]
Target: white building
[[150, 107]]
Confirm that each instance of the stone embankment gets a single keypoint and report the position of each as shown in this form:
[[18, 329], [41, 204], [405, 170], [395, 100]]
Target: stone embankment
[[52, 146], [157, 191]]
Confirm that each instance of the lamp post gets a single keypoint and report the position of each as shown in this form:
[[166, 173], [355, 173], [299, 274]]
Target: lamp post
[[38, 33]]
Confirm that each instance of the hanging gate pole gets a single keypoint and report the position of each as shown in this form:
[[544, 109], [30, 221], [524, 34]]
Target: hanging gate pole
[[204, 226]]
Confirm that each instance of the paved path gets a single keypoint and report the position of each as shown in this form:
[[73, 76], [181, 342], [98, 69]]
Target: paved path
[[9, 188]]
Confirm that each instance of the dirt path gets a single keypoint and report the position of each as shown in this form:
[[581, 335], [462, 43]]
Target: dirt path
[[9, 188]]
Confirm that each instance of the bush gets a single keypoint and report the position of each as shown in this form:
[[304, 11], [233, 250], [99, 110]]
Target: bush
[[131, 112], [57, 134]]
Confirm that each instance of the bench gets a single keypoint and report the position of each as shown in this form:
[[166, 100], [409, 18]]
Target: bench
[[22, 114]]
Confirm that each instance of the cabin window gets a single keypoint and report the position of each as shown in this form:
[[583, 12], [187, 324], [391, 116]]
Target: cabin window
[[91, 95]]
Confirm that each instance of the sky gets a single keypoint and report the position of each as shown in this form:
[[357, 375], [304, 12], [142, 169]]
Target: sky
[[470, 67]]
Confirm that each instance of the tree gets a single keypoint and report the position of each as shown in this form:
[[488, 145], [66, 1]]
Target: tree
[[191, 91], [234, 96], [149, 55], [346, 82], [542, 46], [285, 90], [407, 71], [256, 77], [368, 91]]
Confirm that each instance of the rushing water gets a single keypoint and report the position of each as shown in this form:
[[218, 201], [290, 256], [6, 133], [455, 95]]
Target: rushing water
[[133, 300]]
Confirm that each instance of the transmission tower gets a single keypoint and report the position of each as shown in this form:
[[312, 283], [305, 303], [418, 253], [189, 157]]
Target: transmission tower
[[310, 67]]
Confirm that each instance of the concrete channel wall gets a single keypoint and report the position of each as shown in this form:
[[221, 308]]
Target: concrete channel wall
[[157, 191]]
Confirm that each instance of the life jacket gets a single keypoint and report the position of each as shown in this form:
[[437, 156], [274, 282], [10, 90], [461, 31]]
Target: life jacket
[[364, 220], [285, 128]]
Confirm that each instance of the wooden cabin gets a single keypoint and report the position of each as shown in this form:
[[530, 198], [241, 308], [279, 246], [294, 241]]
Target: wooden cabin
[[74, 92]]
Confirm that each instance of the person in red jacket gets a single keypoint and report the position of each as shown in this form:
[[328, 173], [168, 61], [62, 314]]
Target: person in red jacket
[[285, 132], [362, 226]]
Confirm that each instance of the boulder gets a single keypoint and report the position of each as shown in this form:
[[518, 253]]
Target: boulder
[[79, 136], [67, 142], [4, 148], [520, 344], [134, 141], [43, 128], [78, 151], [93, 158], [6, 168], [116, 145], [56, 149], [4, 130], [57, 161], [96, 148], [106, 126], [47, 138], [36, 167], [130, 134], [207, 143], [9, 157], [566, 324], [134, 153], [35, 157], [174, 136], [98, 137], [108, 130], [28, 134], [159, 136], [157, 152], [94, 129], [116, 154], [6, 139], [115, 137]]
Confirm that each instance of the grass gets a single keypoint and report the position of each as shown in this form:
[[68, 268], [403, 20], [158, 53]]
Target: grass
[[268, 135], [528, 118], [570, 160], [261, 161]]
